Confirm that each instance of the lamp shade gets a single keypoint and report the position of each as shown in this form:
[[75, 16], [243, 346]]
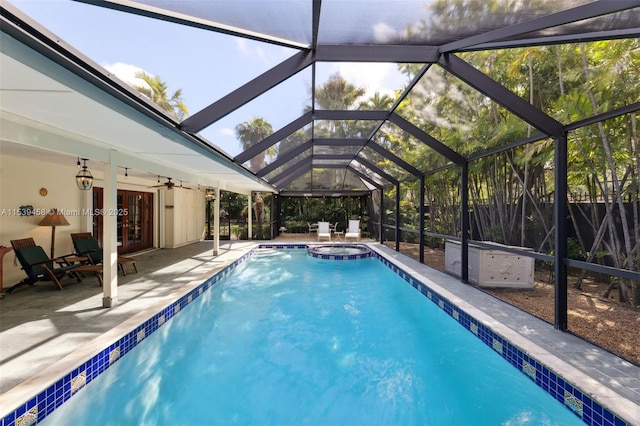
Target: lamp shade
[[54, 218], [84, 179]]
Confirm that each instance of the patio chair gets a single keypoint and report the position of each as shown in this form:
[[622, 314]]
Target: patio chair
[[89, 247], [38, 266], [353, 231], [324, 231]]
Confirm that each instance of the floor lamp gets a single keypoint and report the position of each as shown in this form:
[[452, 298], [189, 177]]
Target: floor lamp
[[54, 218]]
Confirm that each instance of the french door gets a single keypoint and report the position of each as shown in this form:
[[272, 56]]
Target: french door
[[135, 219]]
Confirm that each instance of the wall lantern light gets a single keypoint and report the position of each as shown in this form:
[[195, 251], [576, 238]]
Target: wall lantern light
[[84, 180]]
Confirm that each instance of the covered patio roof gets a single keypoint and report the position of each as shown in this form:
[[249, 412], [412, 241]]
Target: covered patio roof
[[335, 145]]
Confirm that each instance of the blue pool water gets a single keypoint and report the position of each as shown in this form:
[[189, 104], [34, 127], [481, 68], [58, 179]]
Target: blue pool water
[[290, 339]]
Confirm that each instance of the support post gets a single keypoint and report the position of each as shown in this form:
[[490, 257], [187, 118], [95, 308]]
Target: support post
[[216, 223], [380, 229], [110, 233], [208, 236], [398, 217], [421, 220], [560, 245], [250, 200], [464, 222], [276, 206]]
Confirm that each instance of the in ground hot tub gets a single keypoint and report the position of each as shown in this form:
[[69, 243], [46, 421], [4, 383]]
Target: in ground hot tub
[[339, 251]]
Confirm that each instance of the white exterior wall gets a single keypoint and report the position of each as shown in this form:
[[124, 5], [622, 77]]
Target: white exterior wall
[[20, 181], [184, 216]]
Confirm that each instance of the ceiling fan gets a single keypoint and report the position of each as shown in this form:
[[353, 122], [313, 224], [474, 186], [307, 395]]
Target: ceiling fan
[[169, 184]]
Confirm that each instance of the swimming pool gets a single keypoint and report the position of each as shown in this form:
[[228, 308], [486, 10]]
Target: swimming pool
[[88, 372]]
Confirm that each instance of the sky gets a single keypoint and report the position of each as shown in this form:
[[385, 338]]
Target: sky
[[204, 65]]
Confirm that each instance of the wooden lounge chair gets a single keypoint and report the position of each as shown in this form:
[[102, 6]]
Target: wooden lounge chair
[[86, 245], [39, 267]]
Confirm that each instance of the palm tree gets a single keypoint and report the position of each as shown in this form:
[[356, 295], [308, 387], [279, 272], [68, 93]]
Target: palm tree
[[157, 91], [250, 133], [377, 102], [337, 94]]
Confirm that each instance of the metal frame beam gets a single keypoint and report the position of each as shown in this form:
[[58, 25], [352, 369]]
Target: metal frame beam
[[393, 158], [365, 177], [376, 53], [339, 142], [315, 25], [505, 97], [560, 212], [190, 21], [282, 159], [294, 172], [377, 170], [421, 220], [323, 193], [560, 39], [333, 157], [381, 222], [234, 100], [568, 16], [427, 139], [274, 138], [507, 147], [464, 223], [397, 217], [628, 109], [355, 114]]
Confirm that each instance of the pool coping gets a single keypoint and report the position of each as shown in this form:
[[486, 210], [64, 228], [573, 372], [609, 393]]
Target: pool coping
[[587, 397]]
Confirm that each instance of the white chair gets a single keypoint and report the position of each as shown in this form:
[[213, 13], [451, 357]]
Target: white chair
[[324, 231], [313, 227], [353, 231]]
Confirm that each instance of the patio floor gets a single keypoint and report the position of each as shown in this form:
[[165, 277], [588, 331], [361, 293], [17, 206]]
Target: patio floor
[[40, 325]]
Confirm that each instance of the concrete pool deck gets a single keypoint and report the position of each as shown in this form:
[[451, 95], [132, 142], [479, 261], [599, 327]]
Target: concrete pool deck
[[41, 326]]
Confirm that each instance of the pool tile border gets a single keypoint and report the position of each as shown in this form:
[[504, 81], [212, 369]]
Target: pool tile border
[[364, 255], [44, 403]]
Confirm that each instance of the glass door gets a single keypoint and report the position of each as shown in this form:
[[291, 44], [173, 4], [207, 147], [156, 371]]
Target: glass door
[[134, 219], [133, 222]]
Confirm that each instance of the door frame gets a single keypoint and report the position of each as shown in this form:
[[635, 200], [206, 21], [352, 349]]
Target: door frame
[[146, 216]]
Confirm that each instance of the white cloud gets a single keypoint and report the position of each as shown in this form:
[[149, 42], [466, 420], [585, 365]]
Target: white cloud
[[227, 131], [242, 44], [383, 32], [253, 50], [126, 73], [371, 76]]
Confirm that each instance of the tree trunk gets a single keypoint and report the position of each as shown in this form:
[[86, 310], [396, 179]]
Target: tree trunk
[[614, 175]]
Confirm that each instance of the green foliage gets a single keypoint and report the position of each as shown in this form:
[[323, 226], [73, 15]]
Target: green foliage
[[158, 91], [250, 133], [296, 212]]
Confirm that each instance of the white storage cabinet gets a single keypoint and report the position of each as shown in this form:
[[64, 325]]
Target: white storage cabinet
[[491, 267]]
